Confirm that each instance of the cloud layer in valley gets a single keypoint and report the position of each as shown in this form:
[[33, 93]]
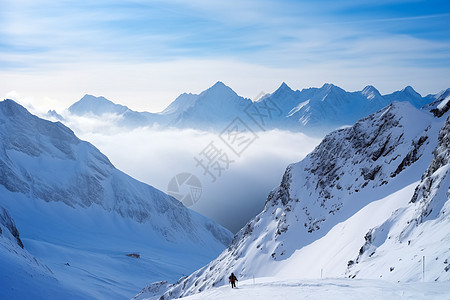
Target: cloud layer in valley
[[155, 156]]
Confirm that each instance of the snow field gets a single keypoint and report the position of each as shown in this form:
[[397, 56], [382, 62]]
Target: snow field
[[336, 289]]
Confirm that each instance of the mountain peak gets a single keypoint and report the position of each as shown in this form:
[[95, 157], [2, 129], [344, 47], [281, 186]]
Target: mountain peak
[[219, 86], [96, 105], [11, 108], [410, 91], [370, 92], [96, 100], [284, 88], [328, 86], [370, 88], [219, 89], [89, 97], [331, 88]]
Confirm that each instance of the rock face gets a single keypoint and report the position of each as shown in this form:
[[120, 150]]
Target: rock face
[[8, 224], [100, 106], [351, 168], [416, 237], [22, 276]]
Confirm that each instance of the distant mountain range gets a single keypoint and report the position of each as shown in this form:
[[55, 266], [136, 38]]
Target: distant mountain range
[[313, 110]]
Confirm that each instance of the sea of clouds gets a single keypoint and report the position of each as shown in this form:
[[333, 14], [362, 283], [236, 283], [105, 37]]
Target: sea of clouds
[[156, 155]]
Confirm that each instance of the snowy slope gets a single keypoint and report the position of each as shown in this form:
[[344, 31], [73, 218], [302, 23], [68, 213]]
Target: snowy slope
[[22, 275], [417, 235], [73, 206], [180, 104], [214, 108], [337, 289], [318, 218], [407, 94]]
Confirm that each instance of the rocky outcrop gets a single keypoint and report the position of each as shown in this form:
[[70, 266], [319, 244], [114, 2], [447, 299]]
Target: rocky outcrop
[[420, 228], [7, 223], [350, 168]]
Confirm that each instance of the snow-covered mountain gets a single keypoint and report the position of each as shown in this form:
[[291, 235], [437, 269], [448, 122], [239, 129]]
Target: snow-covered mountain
[[418, 235], [320, 221], [334, 288], [22, 275], [81, 216], [101, 107], [312, 110], [97, 106], [211, 109], [316, 110], [409, 93]]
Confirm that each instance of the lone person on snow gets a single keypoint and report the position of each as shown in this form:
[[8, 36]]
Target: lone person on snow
[[233, 280]]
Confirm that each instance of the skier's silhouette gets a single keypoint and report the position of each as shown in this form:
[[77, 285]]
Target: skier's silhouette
[[233, 280]]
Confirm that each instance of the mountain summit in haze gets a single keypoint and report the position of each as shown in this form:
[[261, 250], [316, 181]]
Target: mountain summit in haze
[[312, 110], [97, 106]]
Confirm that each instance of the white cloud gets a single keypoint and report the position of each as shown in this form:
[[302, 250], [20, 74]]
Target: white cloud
[[156, 156]]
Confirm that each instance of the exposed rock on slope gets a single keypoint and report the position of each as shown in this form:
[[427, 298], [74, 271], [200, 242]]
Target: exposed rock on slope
[[416, 233], [353, 167]]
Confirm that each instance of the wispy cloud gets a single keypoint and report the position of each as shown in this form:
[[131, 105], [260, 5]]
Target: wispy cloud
[[165, 30], [102, 46]]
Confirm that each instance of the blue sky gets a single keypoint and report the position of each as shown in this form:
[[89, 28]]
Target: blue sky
[[144, 53]]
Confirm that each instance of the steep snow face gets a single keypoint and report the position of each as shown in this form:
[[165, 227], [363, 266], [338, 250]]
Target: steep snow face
[[354, 172], [212, 109], [407, 94], [370, 92], [73, 204], [22, 276], [414, 241], [284, 97], [46, 160], [322, 109]]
